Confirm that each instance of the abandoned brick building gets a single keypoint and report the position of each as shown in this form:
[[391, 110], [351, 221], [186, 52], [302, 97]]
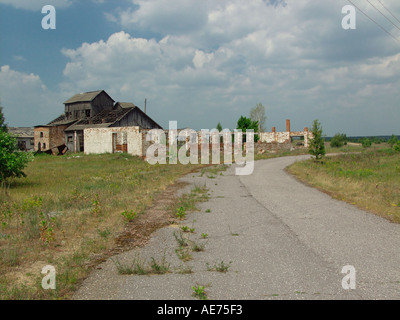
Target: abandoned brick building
[[94, 109]]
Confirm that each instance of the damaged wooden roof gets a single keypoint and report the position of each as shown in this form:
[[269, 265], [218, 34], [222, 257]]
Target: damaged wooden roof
[[61, 120], [104, 119], [85, 96]]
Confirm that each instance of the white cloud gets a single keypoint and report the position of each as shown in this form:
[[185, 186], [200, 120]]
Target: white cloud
[[24, 96], [200, 58], [166, 16], [216, 60]]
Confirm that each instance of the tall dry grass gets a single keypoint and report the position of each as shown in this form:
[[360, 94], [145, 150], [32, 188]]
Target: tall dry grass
[[369, 180], [66, 211]]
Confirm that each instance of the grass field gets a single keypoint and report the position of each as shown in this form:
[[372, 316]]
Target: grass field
[[369, 179], [68, 210]]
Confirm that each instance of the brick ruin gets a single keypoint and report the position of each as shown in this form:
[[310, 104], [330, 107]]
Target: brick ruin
[[274, 141], [132, 140]]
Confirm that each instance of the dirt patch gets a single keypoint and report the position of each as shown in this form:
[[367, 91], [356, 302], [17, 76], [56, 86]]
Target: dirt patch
[[138, 232], [353, 144]]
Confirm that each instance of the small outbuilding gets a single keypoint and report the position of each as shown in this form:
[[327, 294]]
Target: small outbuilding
[[24, 136]]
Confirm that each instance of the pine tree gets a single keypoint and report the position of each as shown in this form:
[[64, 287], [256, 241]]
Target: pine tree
[[317, 144]]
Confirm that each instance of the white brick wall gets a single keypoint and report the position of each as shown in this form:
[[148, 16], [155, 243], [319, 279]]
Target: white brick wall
[[99, 140]]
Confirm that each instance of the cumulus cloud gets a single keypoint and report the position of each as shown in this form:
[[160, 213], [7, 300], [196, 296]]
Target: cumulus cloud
[[166, 16], [213, 61], [24, 96]]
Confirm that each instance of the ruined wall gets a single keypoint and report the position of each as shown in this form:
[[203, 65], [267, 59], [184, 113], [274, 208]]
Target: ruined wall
[[133, 140], [57, 136], [305, 134], [110, 140], [153, 138], [49, 137], [284, 138], [270, 137], [97, 140], [41, 135]]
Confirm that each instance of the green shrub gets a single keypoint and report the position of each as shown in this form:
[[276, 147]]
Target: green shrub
[[396, 147], [244, 124], [393, 140], [338, 140], [129, 215], [366, 143], [12, 161]]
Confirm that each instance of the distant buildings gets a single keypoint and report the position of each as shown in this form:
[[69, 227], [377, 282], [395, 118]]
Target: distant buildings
[[25, 137], [95, 109], [94, 123]]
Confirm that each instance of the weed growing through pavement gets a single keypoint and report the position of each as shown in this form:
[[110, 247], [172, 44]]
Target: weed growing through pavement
[[183, 254], [199, 292], [180, 213], [197, 247], [212, 171], [184, 269], [220, 267], [185, 228], [140, 267], [180, 239], [160, 267], [182, 251]]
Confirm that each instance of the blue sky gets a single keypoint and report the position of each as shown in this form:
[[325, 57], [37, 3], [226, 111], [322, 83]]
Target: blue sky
[[201, 62]]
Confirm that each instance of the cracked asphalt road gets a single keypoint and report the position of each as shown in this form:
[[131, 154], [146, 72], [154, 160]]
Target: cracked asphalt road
[[284, 240]]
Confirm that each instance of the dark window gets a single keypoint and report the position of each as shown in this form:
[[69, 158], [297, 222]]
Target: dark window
[[41, 134], [44, 146], [70, 139], [87, 113]]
